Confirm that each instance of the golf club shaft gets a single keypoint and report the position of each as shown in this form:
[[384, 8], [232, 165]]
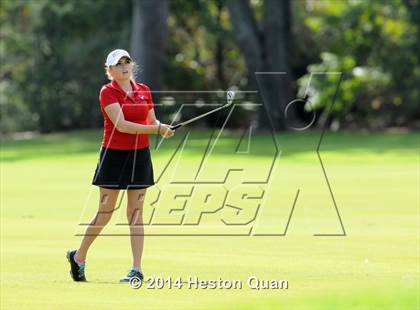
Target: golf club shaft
[[230, 95], [199, 117]]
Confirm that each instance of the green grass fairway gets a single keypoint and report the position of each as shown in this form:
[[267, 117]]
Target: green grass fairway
[[46, 192]]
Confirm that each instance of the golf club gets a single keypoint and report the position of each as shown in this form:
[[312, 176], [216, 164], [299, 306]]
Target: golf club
[[230, 95]]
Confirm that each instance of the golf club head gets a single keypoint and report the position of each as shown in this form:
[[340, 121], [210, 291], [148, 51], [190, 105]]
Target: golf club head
[[230, 95]]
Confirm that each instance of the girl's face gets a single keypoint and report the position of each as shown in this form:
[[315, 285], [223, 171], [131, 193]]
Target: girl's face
[[123, 70]]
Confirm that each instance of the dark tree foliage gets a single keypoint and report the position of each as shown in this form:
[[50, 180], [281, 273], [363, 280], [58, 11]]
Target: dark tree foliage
[[52, 54]]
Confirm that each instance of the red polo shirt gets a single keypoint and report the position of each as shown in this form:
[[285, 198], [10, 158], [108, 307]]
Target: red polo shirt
[[135, 107]]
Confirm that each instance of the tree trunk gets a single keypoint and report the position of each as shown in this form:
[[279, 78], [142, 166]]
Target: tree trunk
[[148, 38], [219, 53], [265, 50], [276, 28], [246, 32]]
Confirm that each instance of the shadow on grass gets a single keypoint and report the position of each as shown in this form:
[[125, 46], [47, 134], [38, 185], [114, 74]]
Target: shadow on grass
[[109, 282], [87, 142]]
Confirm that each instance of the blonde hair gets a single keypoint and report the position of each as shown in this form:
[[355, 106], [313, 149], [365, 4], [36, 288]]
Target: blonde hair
[[134, 73]]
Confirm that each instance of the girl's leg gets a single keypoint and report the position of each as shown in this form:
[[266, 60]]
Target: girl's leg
[[135, 199], [107, 201]]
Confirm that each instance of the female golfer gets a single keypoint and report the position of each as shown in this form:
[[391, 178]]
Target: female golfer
[[124, 158]]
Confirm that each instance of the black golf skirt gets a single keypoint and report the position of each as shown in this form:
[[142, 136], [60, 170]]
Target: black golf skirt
[[124, 169]]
